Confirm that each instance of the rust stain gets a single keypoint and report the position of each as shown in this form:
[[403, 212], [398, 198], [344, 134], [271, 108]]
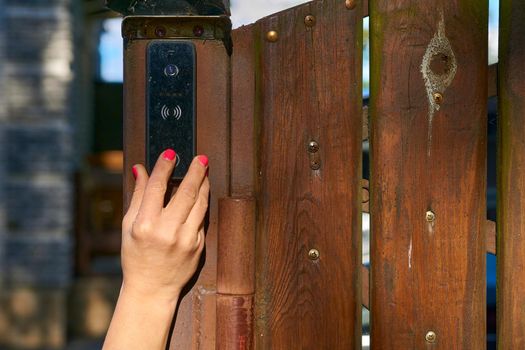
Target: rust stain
[[438, 68]]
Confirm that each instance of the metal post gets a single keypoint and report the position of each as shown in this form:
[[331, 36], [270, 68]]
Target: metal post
[[204, 27]]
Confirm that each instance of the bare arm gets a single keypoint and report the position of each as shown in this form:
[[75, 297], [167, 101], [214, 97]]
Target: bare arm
[[161, 247]]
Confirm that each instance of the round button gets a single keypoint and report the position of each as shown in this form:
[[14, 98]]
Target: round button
[[171, 70]]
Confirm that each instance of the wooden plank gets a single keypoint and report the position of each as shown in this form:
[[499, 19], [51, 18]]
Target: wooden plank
[[428, 275], [310, 89], [511, 179], [491, 237]]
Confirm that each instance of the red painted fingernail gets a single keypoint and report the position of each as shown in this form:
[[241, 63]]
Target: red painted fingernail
[[135, 172], [203, 160], [169, 154]]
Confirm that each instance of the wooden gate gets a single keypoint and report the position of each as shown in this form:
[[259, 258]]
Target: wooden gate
[[280, 115]]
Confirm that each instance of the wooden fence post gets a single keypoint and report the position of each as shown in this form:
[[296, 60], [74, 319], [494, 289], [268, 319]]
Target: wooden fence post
[[428, 173], [511, 178]]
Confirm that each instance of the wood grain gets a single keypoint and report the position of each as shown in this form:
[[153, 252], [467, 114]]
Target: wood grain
[[428, 276], [309, 88], [511, 178]]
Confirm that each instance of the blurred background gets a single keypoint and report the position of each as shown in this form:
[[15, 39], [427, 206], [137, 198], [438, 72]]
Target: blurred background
[[61, 168]]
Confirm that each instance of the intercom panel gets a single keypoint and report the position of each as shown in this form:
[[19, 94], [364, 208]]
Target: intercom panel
[[170, 105]]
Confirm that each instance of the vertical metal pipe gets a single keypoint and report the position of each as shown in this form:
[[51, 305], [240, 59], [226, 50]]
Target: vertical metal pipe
[[235, 274]]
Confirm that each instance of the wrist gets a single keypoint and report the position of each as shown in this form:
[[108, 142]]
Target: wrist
[[165, 300]]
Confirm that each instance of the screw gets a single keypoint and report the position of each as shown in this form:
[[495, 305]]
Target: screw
[[198, 31], [313, 147], [309, 21], [350, 4], [430, 216], [313, 254], [431, 337], [272, 36], [438, 98], [160, 32]]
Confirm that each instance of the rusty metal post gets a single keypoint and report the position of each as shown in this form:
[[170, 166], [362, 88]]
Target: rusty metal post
[[235, 274], [210, 36]]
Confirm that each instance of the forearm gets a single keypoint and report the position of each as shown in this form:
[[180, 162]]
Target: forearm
[[140, 322]]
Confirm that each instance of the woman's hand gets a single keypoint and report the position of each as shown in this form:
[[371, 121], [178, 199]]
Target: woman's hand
[[161, 247]]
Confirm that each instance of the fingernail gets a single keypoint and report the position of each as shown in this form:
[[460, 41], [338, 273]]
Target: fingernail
[[169, 154], [135, 172], [203, 160]]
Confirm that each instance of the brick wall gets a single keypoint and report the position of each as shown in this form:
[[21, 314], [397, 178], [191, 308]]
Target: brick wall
[[36, 166]]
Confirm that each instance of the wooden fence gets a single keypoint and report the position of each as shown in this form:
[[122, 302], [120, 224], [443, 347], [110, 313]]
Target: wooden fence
[[282, 120]]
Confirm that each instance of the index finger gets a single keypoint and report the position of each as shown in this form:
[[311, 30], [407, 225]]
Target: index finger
[[153, 199]]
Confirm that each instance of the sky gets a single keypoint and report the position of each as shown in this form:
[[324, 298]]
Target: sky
[[245, 12]]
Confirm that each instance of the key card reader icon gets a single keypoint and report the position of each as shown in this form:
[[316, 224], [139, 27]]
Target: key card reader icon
[[167, 112]]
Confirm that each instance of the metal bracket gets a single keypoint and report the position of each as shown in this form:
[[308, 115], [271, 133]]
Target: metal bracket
[[178, 27]]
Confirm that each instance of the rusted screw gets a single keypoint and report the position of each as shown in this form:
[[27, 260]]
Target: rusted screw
[[315, 165], [272, 36], [438, 97], [313, 147], [198, 31], [351, 4], [431, 337], [160, 32], [430, 216], [313, 254], [309, 21]]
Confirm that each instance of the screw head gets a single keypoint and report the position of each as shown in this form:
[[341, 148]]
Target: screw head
[[430, 216], [313, 254], [272, 36], [160, 32], [310, 21], [313, 147], [315, 165], [351, 4], [198, 31], [438, 97], [431, 337]]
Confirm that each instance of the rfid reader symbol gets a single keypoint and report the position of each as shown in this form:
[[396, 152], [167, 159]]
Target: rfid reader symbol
[[167, 112]]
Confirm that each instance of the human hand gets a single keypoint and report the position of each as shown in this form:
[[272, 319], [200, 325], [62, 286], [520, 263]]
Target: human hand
[[161, 246]]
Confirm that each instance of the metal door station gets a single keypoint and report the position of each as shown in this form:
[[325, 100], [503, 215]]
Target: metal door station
[[170, 106]]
